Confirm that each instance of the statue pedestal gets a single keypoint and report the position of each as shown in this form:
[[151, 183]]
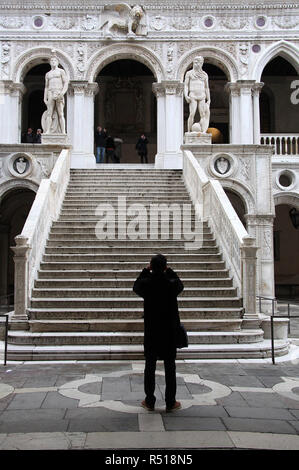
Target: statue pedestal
[[55, 139], [199, 138]]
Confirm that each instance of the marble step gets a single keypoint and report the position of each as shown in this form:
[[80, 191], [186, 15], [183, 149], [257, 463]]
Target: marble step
[[123, 273], [121, 257], [124, 338], [127, 302], [91, 292], [55, 283], [129, 245], [39, 326], [258, 350], [119, 313], [130, 251], [117, 265]]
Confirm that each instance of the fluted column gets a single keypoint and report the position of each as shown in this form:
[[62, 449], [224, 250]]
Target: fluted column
[[256, 90], [170, 123], [10, 111], [81, 122]]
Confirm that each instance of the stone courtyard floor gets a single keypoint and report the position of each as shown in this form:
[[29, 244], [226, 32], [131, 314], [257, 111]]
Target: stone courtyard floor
[[231, 404]]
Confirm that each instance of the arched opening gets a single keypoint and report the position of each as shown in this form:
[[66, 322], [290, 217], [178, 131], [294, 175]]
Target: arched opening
[[286, 254], [219, 108], [277, 112], [126, 107], [14, 209], [33, 105], [238, 205]]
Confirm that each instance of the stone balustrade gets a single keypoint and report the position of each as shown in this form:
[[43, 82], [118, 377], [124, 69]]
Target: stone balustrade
[[31, 242], [285, 144], [239, 250]]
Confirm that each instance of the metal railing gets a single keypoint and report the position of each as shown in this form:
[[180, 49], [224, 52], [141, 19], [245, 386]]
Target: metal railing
[[272, 316], [5, 337]]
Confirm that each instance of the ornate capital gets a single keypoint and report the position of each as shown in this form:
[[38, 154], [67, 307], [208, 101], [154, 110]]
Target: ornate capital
[[168, 87]]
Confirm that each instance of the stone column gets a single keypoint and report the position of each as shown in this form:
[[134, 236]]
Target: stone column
[[11, 95], [246, 111], [81, 123], [170, 123], [234, 115], [21, 251], [4, 246], [261, 225], [248, 260], [256, 89]]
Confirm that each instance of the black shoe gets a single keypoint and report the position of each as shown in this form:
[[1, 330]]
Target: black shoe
[[145, 405], [177, 405]]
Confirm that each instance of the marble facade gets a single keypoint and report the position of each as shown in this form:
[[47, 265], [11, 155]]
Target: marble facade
[[239, 38]]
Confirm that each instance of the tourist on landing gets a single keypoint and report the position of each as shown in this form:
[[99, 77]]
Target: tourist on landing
[[28, 137], [141, 148], [38, 137], [100, 140], [159, 286], [110, 149]]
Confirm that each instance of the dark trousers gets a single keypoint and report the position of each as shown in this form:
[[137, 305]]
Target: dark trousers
[[111, 154], [143, 156], [150, 383]]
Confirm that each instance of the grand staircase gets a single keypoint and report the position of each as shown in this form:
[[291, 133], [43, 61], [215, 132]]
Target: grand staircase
[[83, 306]]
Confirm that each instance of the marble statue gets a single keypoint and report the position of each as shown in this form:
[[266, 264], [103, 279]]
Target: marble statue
[[197, 94], [56, 85], [129, 19]]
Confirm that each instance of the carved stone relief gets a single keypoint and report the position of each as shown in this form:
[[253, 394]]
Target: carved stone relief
[[64, 23], [5, 60]]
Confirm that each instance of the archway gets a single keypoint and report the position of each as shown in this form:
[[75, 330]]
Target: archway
[[33, 105], [237, 204], [277, 112], [286, 253], [14, 209], [219, 108], [126, 107]]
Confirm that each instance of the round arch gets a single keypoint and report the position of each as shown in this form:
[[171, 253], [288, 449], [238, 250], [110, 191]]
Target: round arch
[[214, 56], [13, 184], [284, 49], [242, 192], [288, 198], [124, 51], [39, 55]]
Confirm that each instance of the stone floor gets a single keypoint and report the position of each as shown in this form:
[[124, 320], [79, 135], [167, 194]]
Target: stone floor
[[232, 404]]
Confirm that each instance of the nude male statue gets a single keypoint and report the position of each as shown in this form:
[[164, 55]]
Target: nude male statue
[[56, 85], [197, 94]]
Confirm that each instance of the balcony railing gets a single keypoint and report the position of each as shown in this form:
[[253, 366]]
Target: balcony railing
[[285, 144]]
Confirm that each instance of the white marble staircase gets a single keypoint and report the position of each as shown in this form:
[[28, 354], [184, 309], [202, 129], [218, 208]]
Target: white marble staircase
[[82, 304]]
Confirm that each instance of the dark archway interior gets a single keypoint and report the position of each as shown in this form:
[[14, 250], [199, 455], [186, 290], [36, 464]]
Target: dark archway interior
[[14, 210], [126, 106], [277, 112], [286, 254], [33, 104], [219, 109], [237, 204]]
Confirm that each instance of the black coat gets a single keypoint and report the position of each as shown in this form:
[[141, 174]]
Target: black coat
[[141, 146], [161, 315], [100, 138]]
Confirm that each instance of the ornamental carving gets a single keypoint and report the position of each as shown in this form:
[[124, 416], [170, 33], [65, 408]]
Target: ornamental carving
[[234, 22], [286, 22], [182, 23], [89, 23], [158, 23], [11, 23], [64, 23], [5, 59]]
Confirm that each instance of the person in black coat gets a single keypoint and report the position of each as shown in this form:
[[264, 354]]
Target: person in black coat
[[28, 137], [141, 148], [159, 286]]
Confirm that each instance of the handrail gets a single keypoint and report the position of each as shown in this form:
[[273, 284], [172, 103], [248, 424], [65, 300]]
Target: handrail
[[272, 316], [214, 206], [31, 242], [5, 337]]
